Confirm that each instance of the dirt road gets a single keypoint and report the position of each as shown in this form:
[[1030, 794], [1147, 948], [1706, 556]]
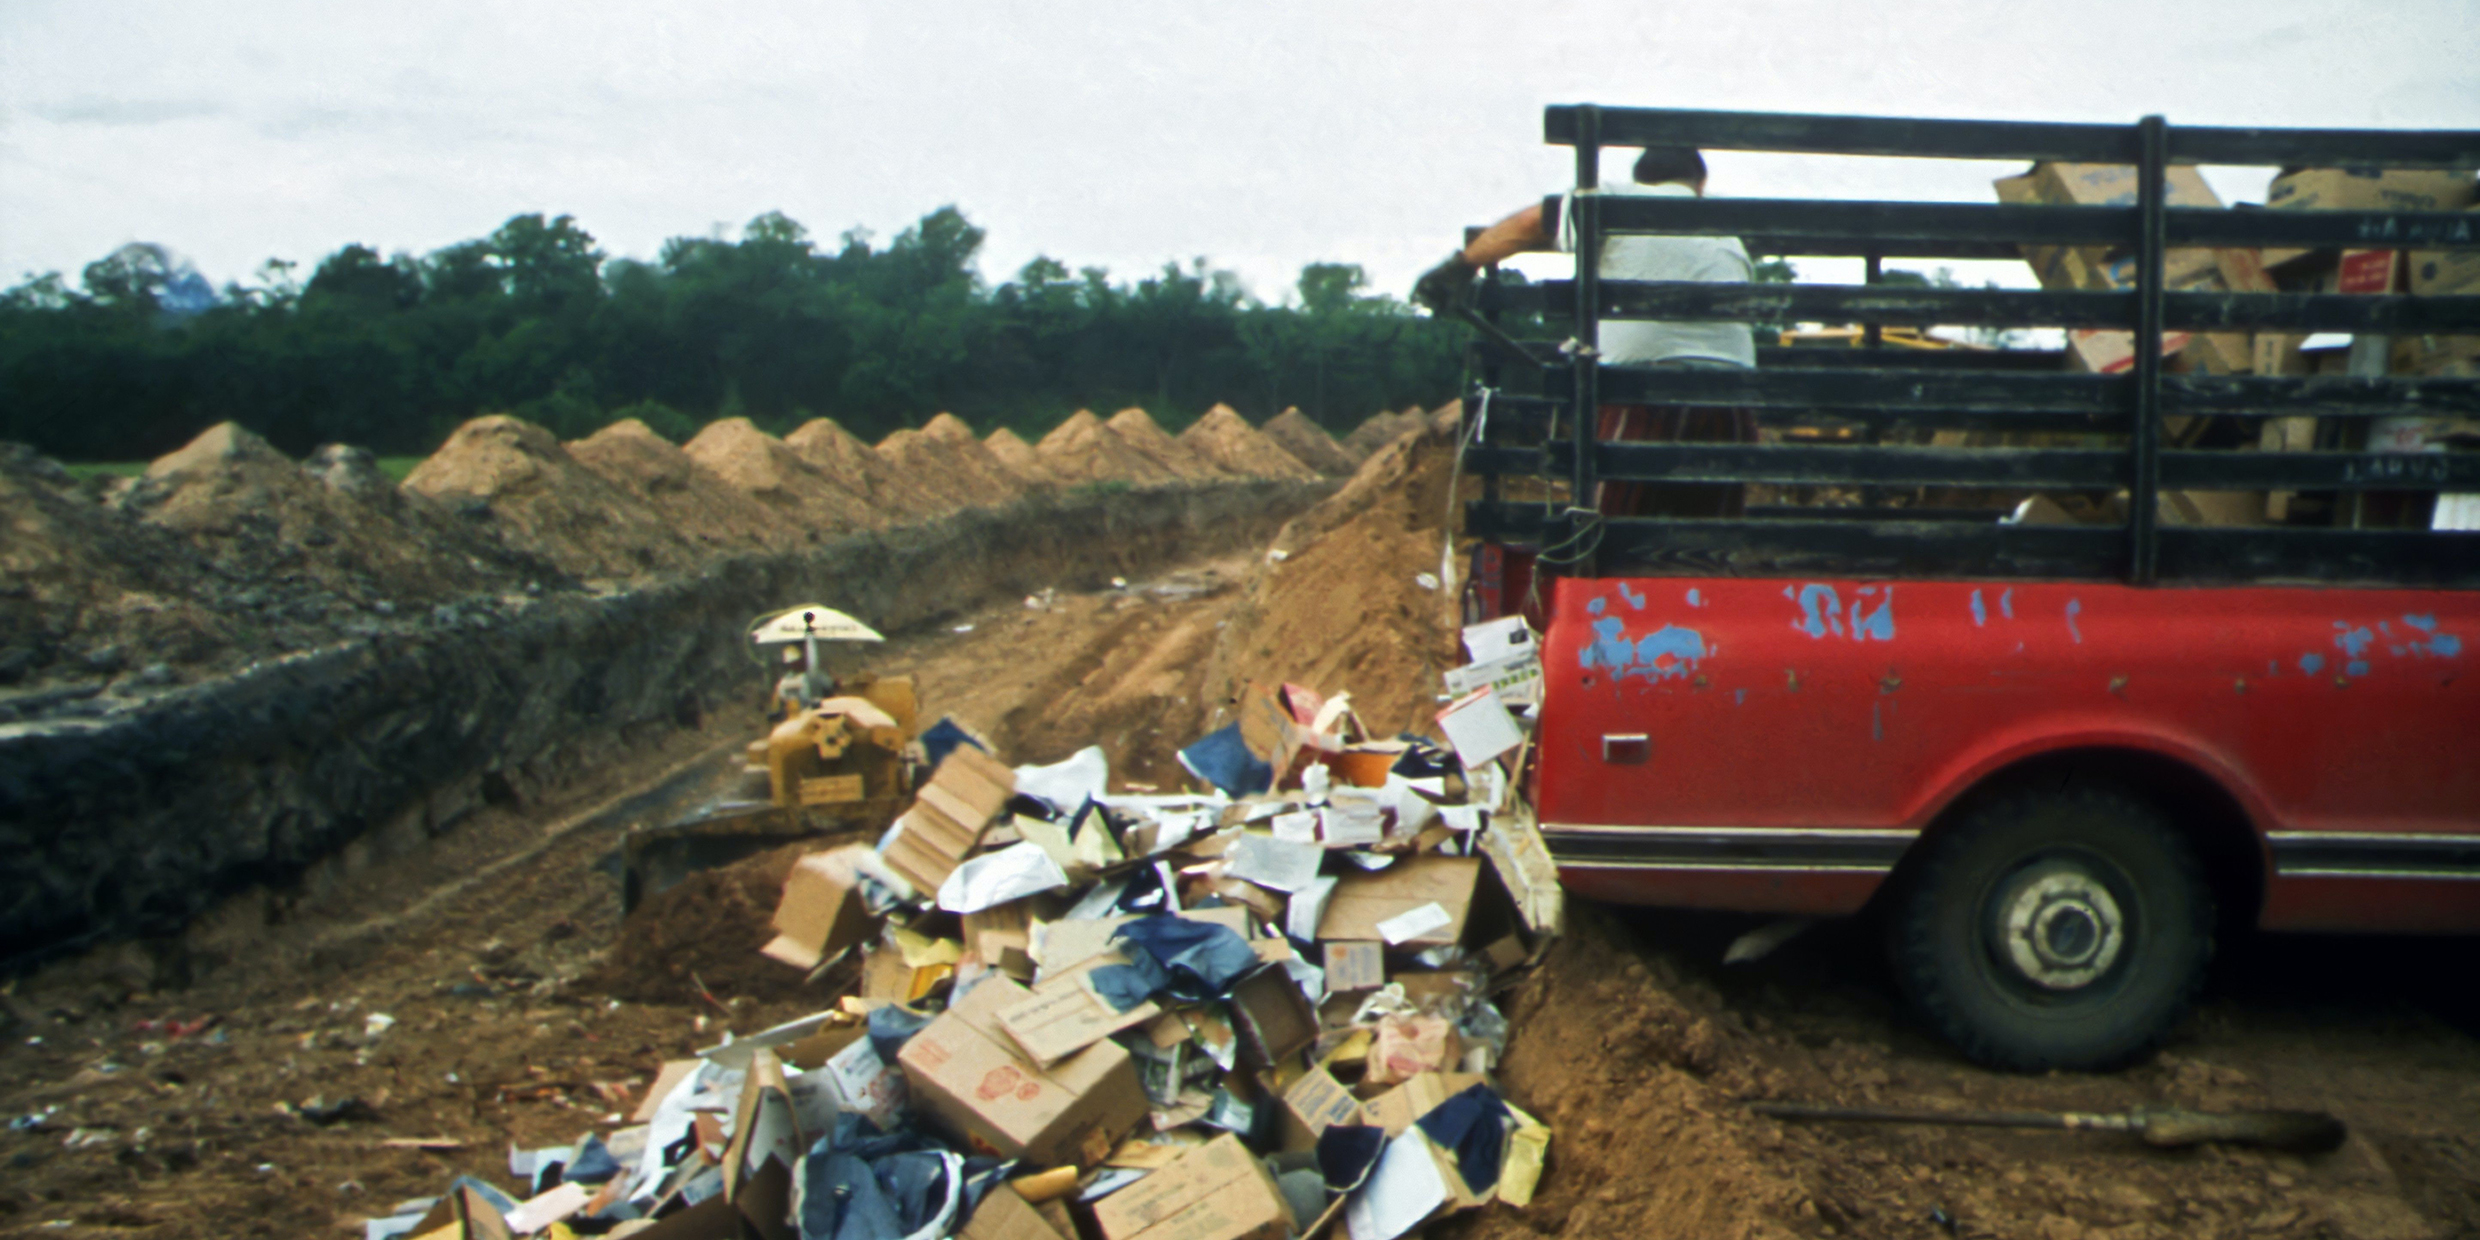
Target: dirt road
[[496, 958]]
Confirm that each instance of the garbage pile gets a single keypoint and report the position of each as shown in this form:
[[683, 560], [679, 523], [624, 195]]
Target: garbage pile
[[1252, 1010]]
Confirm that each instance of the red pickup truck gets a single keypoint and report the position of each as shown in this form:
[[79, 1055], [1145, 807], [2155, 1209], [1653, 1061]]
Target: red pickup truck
[[2053, 759]]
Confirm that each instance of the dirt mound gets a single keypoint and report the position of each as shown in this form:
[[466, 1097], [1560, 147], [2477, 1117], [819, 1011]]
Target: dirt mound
[[1309, 443], [989, 476], [931, 463], [1155, 444], [1381, 429], [708, 931], [1343, 608], [1225, 439], [759, 465], [689, 497], [1083, 450], [330, 540], [513, 474], [858, 468], [85, 589], [1019, 457]]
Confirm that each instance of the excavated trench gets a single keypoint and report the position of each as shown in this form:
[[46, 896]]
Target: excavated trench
[[129, 825]]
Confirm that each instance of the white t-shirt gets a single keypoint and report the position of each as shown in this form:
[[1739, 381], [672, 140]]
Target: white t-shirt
[[1650, 256]]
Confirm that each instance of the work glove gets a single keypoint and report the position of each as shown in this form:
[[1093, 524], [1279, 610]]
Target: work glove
[[1446, 287]]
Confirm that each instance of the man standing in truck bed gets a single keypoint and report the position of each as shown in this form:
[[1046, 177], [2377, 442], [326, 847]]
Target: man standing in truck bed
[[1665, 172]]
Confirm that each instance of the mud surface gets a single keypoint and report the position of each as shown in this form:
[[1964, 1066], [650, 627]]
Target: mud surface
[[524, 1009]]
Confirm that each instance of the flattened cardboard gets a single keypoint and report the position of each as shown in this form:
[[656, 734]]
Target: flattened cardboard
[[1362, 900], [822, 911], [949, 816], [1398, 1108], [966, 1071], [1064, 1015], [1003, 938], [664, 1080], [1217, 1191]]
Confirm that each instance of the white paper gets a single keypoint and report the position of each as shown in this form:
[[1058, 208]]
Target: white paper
[[1278, 864], [1412, 810], [1517, 678], [539, 1212], [1480, 728], [672, 1119], [1413, 923], [862, 1082], [1404, 1189], [813, 1099], [1100, 902], [1066, 785], [993, 879], [1497, 639], [1352, 818], [1369, 860], [1465, 818], [1298, 828], [1308, 908]]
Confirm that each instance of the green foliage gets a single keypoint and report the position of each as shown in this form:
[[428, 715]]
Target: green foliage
[[393, 351]]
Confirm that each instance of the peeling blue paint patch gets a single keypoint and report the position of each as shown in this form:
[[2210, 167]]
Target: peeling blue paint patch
[[2354, 643], [1609, 648], [1980, 611], [1634, 599], [1597, 606], [2312, 663], [1739, 697], [1878, 624], [1667, 651], [2006, 603], [2440, 645], [2074, 606], [1821, 611], [1695, 599]]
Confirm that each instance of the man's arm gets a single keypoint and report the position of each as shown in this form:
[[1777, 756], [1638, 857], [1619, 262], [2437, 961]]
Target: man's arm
[[1449, 284], [1517, 234]]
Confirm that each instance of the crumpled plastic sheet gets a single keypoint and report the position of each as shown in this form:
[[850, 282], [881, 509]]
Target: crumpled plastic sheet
[[1192, 961], [860, 1184], [1474, 1125], [1223, 760], [891, 1026]]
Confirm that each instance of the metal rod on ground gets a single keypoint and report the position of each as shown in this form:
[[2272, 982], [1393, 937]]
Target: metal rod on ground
[[2305, 1132]]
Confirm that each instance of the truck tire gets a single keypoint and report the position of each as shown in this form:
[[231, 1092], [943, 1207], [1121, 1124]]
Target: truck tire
[[2064, 928]]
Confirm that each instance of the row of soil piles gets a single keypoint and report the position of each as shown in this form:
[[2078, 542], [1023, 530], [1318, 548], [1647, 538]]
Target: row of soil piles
[[227, 551]]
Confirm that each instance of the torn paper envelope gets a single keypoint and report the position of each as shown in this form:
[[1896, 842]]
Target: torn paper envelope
[[1280, 865], [992, 879], [1066, 785], [1413, 923], [1407, 1186]]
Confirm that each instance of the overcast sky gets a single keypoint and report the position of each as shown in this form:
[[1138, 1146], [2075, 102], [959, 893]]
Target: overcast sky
[[1262, 136]]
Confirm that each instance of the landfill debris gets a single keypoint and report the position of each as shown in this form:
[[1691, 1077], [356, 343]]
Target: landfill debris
[[1258, 1008]]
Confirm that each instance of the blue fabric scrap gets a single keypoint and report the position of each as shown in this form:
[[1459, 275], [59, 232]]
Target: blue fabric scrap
[[1223, 760], [1474, 1125]]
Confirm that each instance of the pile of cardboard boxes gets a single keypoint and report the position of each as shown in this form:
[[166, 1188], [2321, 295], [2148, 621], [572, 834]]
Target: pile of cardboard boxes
[[2419, 273], [1053, 1009]]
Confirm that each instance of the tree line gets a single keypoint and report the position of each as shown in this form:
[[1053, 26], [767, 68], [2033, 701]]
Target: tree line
[[392, 352]]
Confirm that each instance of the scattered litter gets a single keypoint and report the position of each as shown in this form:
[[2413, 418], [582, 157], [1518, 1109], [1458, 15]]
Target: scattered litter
[[1250, 1009]]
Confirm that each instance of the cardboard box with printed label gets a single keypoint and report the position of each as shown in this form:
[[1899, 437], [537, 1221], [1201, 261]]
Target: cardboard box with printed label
[[2365, 189], [1217, 1191], [967, 1072], [1003, 1215], [1314, 1103]]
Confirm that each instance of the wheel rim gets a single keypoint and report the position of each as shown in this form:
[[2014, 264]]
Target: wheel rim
[[2058, 926]]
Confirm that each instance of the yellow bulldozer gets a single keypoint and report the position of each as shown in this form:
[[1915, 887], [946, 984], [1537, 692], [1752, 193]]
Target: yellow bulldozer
[[837, 757]]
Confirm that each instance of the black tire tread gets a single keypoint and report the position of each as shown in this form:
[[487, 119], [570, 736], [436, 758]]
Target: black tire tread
[[1913, 924]]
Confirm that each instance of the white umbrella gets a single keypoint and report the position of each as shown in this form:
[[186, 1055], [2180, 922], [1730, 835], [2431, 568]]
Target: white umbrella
[[812, 622]]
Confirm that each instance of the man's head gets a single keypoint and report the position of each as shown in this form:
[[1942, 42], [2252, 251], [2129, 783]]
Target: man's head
[[1662, 164]]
